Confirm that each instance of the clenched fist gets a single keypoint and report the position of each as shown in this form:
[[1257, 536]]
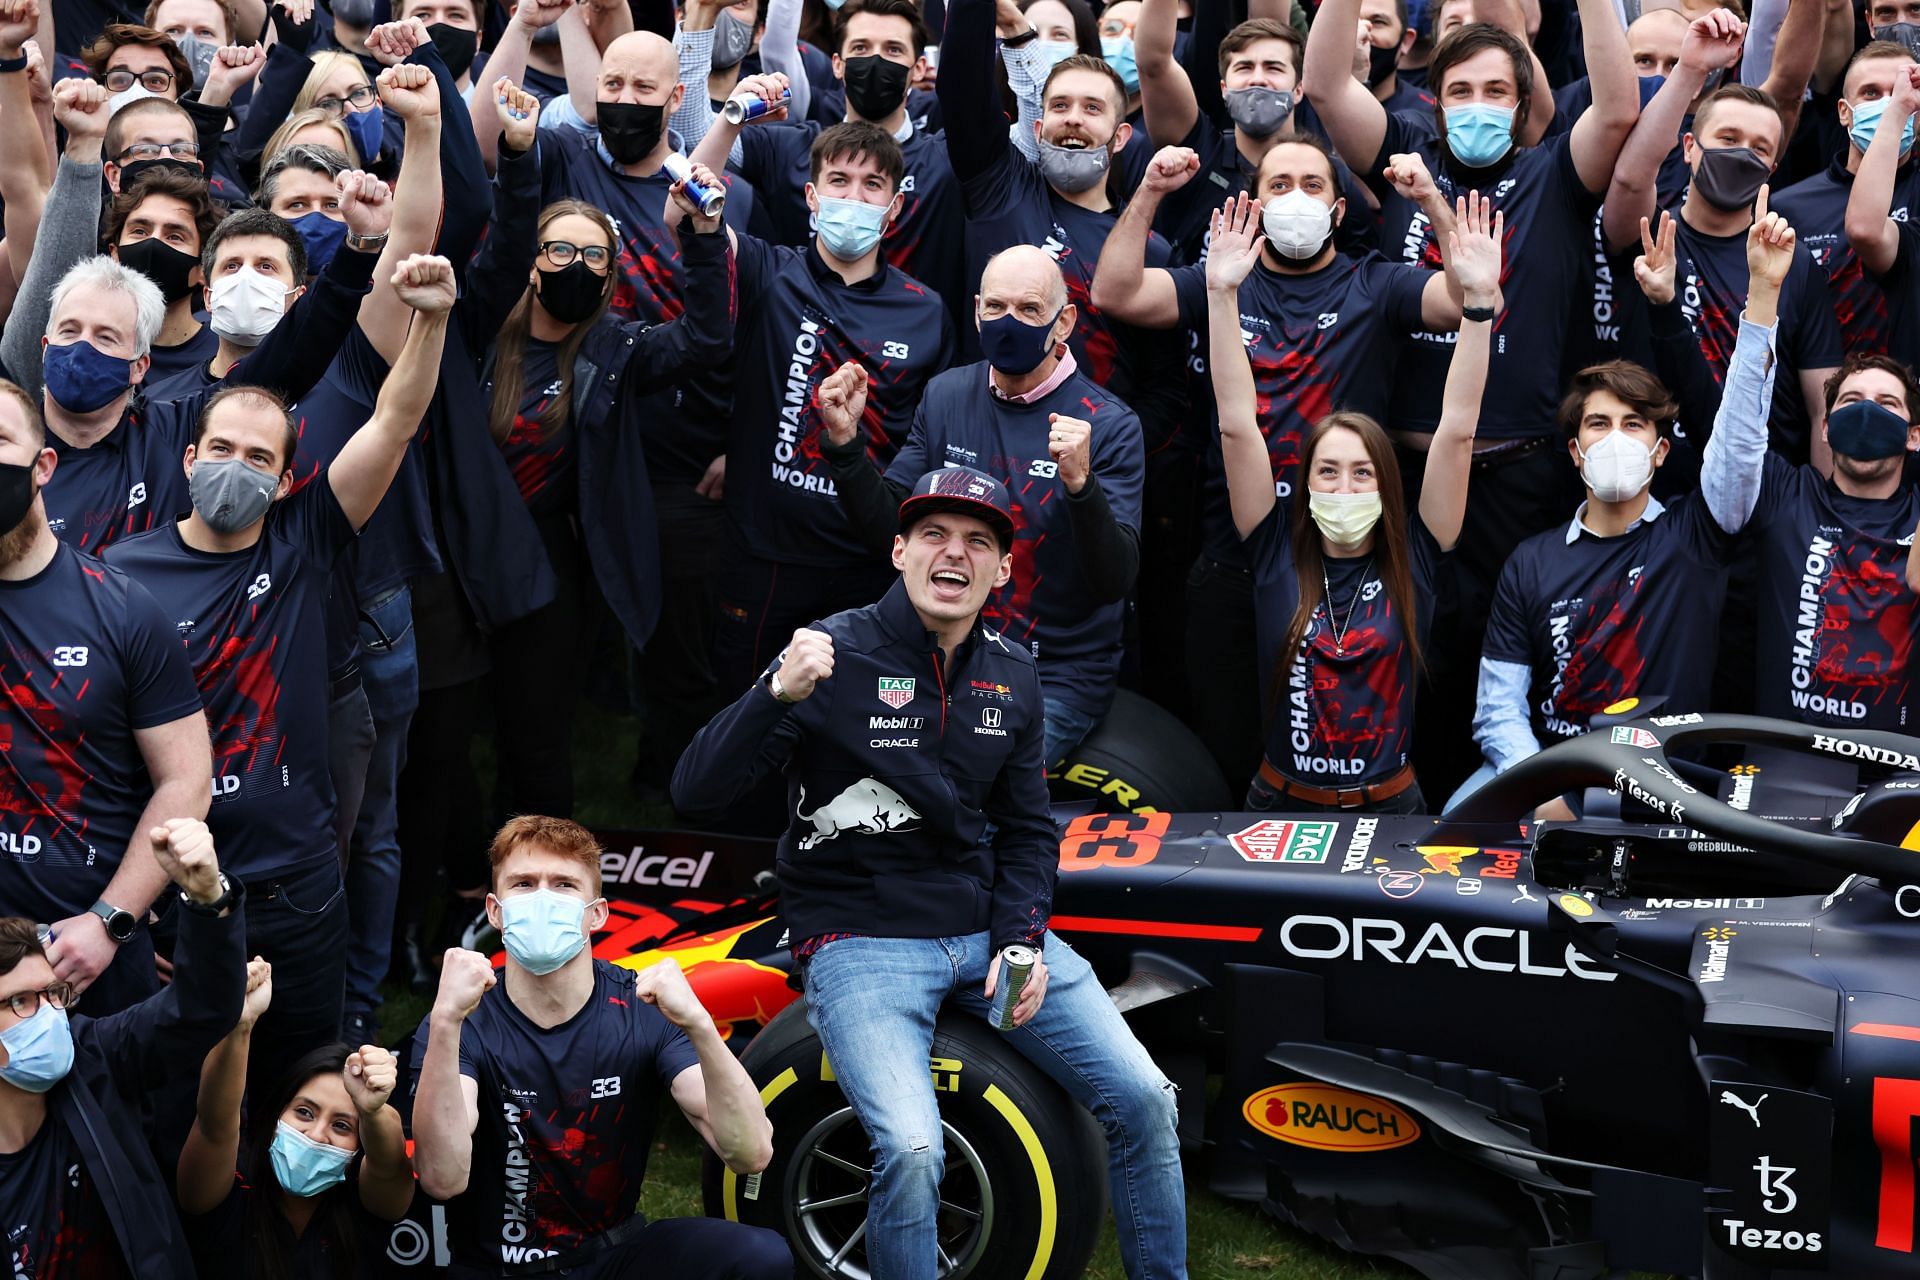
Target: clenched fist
[[184, 849], [664, 986], [465, 976], [807, 661], [371, 1077], [843, 398], [1069, 443]]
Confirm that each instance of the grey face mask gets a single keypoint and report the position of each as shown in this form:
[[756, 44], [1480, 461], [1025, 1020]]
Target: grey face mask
[[731, 40], [1073, 170], [199, 55], [228, 494], [1259, 111]]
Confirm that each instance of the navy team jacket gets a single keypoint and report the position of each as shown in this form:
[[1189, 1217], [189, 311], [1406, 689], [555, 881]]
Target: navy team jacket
[[894, 768]]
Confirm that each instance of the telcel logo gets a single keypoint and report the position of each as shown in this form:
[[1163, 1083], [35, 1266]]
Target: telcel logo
[[1328, 1118], [641, 867]]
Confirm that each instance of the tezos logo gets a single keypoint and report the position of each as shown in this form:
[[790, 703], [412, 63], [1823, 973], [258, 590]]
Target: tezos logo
[[1327, 1118]]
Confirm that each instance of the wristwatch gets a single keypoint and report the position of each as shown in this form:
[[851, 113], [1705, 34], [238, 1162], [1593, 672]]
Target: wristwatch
[[16, 63], [215, 907], [1025, 37], [365, 244], [1476, 313], [119, 923], [779, 694]]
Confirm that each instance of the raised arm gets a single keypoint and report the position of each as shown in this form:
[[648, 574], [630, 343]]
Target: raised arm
[[1354, 119], [410, 92], [1870, 225], [211, 1154], [1166, 94], [386, 1171], [1440, 301], [26, 167], [722, 142], [976, 127], [1475, 252], [1795, 57], [446, 1101], [508, 61], [1713, 40], [1124, 287], [718, 1097], [580, 55], [1602, 128], [1735, 460], [1234, 244], [693, 42], [780, 53], [367, 463], [701, 336]]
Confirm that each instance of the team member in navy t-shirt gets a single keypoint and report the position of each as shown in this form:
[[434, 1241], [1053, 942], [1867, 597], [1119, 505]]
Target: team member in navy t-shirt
[[1070, 453], [1345, 583], [1626, 601], [809, 312], [535, 1094], [245, 583], [101, 733], [1888, 244], [1322, 330], [1817, 206]]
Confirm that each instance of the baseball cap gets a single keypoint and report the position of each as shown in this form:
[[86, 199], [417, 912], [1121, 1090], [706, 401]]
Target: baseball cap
[[965, 491]]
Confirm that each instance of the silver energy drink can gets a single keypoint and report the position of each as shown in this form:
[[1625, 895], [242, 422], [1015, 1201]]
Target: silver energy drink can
[[1016, 966], [710, 199], [44, 932], [748, 108]]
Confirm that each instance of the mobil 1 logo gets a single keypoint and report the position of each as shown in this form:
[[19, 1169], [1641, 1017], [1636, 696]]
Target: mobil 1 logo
[[1769, 1165]]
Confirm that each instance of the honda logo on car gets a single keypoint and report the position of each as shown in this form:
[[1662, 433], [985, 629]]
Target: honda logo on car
[[1328, 1118], [1719, 947], [1488, 948], [1355, 858], [1271, 841], [1861, 751], [641, 867]]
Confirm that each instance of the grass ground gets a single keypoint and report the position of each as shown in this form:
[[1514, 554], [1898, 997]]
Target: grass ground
[[1226, 1240]]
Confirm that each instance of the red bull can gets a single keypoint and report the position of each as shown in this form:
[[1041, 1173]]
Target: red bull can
[[710, 198], [747, 108], [1016, 966]]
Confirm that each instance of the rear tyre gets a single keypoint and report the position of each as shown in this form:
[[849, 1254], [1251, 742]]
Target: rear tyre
[[1141, 758], [1025, 1186]]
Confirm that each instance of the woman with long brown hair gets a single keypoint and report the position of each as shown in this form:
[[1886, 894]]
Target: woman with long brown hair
[[1345, 582]]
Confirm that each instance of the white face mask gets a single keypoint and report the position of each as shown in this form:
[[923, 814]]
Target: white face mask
[[132, 93], [1617, 467], [1345, 518], [1297, 225], [244, 307]]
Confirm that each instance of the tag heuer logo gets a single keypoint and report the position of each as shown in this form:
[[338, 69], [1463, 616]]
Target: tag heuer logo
[[896, 692], [1634, 737]]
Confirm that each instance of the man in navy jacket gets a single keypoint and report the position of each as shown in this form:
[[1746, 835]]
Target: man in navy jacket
[[905, 728]]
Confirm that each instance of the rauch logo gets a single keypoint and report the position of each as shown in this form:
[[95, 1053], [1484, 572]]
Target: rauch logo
[[1328, 1118]]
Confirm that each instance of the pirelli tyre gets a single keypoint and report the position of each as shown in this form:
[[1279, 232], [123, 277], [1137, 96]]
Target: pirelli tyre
[[1139, 759], [1025, 1189]]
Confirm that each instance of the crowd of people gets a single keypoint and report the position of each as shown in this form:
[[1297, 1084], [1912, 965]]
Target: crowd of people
[[1384, 387]]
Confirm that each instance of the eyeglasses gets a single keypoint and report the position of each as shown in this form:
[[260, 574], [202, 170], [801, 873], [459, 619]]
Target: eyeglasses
[[27, 1003], [560, 253], [360, 97], [154, 150], [1115, 27], [154, 79]]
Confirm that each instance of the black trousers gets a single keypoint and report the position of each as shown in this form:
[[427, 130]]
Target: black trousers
[[763, 602], [675, 688], [1223, 671]]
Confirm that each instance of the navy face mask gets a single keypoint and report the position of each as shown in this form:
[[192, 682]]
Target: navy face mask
[[82, 378], [1866, 431], [322, 236], [1013, 346]]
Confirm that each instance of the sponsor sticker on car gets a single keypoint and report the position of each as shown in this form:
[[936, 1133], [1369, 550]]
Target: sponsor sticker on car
[[1276, 841], [1629, 736], [1328, 1118]]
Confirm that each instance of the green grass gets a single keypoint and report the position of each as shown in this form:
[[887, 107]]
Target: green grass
[[1226, 1240]]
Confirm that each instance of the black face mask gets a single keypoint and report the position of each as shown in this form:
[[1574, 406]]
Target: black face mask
[[1381, 63], [631, 129], [455, 45], [132, 171], [572, 293], [16, 494], [1728, 178], [875, 86], [161, 263]]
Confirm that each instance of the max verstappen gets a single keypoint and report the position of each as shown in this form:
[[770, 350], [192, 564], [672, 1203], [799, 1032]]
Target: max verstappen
[[908, 732]]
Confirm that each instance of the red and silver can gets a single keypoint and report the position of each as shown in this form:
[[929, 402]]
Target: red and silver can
[[710, 199], [747, 107], [1016, 966]]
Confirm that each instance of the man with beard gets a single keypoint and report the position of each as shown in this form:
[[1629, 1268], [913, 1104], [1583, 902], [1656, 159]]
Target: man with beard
[[101, 734]]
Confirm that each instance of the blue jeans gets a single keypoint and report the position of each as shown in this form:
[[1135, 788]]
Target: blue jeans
[[873, 1002], [1066, 728], [390, 671]]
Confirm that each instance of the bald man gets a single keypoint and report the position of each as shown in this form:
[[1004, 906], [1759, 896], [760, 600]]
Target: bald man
[[1070, 454]]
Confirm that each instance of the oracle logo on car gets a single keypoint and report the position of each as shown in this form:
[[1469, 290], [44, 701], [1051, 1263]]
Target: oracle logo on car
[[1328, 1118]]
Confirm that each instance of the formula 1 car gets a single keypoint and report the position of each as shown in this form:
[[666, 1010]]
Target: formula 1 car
[[1681, 1034]]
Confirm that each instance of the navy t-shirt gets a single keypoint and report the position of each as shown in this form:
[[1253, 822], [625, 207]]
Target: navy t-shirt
[[1836, 620], [802, 321], [566, 1119], [1339, 714], [544, 461], [86, 659], [56, 1224], [130, 481], [1603, 619], [1902, 286], [1318, 342], [1549, 234], [168, 362], [252, 622], [215, 1238], [1046, 607], [920, 242], [1817, 211]]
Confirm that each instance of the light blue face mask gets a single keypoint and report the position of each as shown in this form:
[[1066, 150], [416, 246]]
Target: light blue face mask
[[1118, 51], [1055, 52], [542, 930], [39, 1049], [1478, 134], [1866, 121], [850, 228], [304, 1167]]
